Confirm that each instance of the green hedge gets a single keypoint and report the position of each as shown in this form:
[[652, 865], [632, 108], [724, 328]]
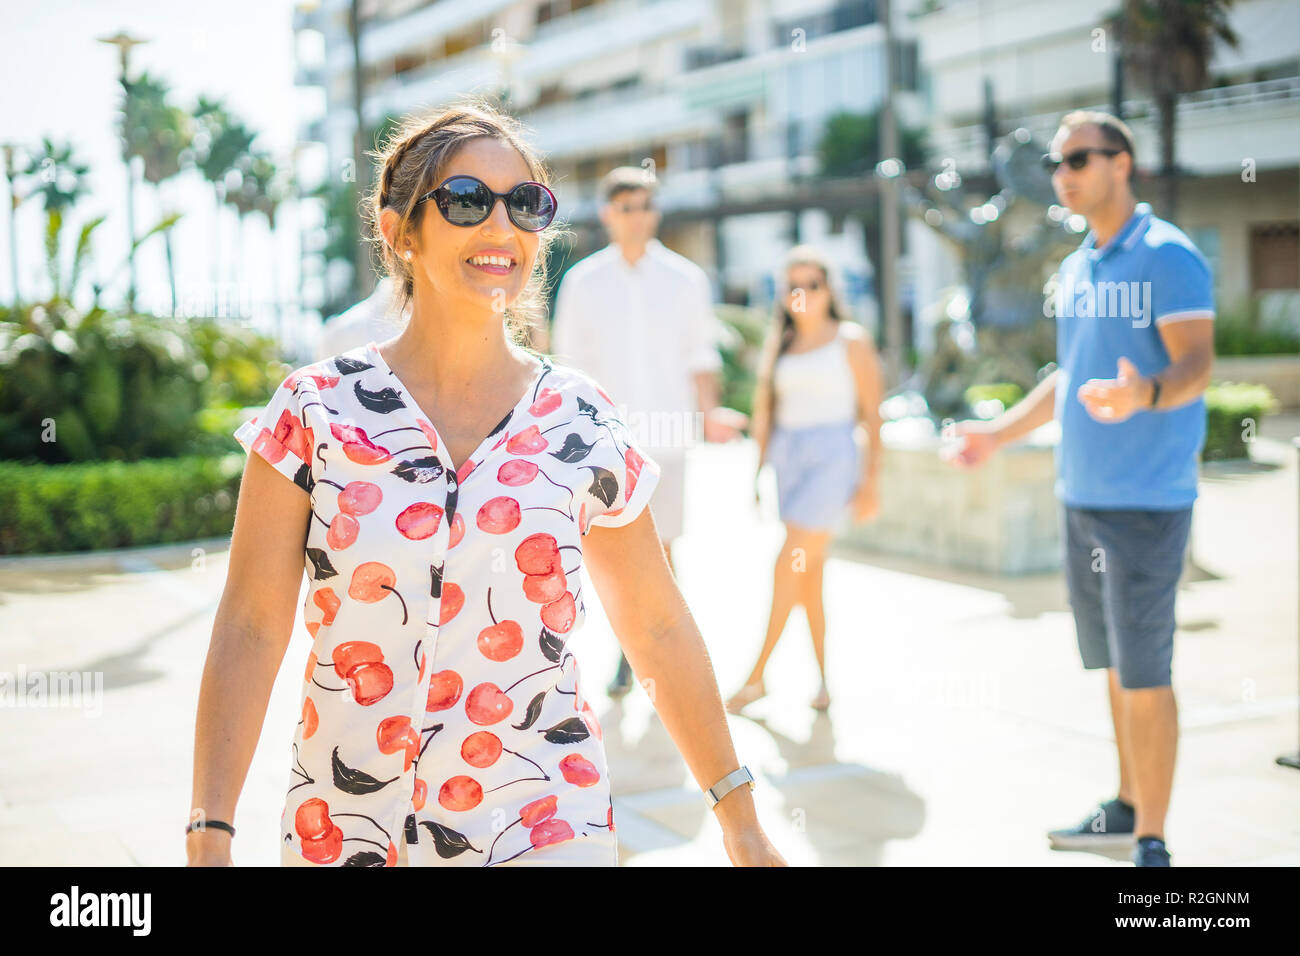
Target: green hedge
[[102, 505], [1232, 418]]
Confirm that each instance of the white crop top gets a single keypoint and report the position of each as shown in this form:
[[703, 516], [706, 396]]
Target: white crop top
[[815, 387]]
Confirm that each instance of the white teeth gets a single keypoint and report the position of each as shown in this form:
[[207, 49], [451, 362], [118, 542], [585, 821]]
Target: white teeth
[[491, 260]]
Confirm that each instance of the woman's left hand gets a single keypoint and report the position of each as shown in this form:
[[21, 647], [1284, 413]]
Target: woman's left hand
[[750, 847], [865, 504]]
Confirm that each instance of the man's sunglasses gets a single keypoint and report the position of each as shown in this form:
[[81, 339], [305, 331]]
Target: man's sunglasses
[[814, 286], [1075, 160], [466, 201]]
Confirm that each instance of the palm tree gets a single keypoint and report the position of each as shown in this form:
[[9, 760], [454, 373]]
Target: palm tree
[[61, 181], [1166, 48], [219, 143], [259, 189], [161, 136]]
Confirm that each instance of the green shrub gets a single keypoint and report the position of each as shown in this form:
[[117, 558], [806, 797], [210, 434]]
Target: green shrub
[[746, 328], [98, 505], [1243, 330], [1008, 393], [1232, 413]]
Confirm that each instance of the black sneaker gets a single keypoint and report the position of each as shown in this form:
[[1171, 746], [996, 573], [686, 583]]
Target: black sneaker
[[1150, 851], [1110, 824]]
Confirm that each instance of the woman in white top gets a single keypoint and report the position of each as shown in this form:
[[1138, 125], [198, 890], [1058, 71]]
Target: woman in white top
[[819, 378]]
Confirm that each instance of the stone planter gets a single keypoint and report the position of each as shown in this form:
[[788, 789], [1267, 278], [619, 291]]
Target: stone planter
[[1281, 373], [1002, 517]]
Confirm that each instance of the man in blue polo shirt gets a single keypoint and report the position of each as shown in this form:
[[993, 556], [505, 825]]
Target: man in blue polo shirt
[[1135, 346]]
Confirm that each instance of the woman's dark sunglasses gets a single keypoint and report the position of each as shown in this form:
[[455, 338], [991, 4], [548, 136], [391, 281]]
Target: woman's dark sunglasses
[[466, 201], [1075, 160]]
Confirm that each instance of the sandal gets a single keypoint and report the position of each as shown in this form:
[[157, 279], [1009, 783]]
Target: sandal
[[822, 701], [744, 697]]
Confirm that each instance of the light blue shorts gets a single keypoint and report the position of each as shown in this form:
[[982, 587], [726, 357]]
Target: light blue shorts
[[817, 472]]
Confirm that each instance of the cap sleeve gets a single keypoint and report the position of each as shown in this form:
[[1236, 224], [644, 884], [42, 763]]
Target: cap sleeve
[[279, 434], [623, 476]]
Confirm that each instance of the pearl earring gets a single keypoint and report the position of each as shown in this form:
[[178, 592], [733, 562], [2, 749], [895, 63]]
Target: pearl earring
[[407, 254]]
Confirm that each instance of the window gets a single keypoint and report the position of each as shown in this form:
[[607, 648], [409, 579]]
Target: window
[[1275, 256]]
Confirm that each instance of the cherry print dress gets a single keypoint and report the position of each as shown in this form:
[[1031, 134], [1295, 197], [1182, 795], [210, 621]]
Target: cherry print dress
[[441, 706]]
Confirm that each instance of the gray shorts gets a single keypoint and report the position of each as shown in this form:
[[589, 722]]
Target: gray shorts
[[1122, 570], [817, 472]]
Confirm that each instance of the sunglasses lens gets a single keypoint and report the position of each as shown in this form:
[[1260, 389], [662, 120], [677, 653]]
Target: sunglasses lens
[[464, 201], [531, 206], [1077, 160]]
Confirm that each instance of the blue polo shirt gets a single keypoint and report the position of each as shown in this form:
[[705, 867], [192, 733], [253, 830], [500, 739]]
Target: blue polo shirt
[[1111, 302]]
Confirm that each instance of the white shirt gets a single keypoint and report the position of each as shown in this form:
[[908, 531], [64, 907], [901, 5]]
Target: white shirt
[[641, 330], [371, 319]]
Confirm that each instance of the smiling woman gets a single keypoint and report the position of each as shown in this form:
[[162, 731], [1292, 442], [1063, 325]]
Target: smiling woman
[[444, 492]]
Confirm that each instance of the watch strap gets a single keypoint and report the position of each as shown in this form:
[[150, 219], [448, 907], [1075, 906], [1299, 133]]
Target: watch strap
[[731, 781]]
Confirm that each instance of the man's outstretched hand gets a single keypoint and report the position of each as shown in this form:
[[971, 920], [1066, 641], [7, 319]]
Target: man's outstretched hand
[[1115, 399]]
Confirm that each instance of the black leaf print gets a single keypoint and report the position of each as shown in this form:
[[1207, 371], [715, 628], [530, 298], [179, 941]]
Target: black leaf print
[[532, 713], [604, 485], [355, 782], [320, 562], [303, 479], [435, 574], [387, 399], [569, 731], [423, 470], [501, 424], [347, 366], [551, 644], [412, 831], [588, 409], [452, 497], [448, 842], [366, 858], [575, 449]]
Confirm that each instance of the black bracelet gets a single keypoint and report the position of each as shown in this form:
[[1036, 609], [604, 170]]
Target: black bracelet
[[1155, 392], [214, 824]]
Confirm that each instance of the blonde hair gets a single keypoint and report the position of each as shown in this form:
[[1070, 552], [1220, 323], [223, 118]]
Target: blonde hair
[[411, 161]]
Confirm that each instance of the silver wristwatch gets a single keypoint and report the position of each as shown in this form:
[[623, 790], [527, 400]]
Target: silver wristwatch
[[727, 784]]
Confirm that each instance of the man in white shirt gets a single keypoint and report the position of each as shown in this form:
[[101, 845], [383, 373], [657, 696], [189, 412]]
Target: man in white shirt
[[638, 318]]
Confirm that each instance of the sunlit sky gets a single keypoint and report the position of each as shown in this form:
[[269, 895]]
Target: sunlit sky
[[61, 82]]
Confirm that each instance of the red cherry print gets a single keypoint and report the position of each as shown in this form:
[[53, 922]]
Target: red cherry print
[[498, 515], [481, 749], [527, 442], [392, 855], [310, 721], [343, 531], [579, 771], [429, 434], [582, 518], [547, 401], [373, 581], [589, 717], [444, 690], [318, 375], [420, 794], [460, 793], [603, 395], [559, 615], [552, 831], [311, 667], [463, 471], [544, 588], [633, 461], [391, 733], [538, 554], [609, 820], [312, 819], [453, 599], [424, 658], [357, 447], [457, 530], [326, 850], [539, 811], [312, 628], [359, 498], [288, 433], [516, 472], [487, 704], [370, 682], [501, 641], [351, 654], [419, 521], [329, 602]]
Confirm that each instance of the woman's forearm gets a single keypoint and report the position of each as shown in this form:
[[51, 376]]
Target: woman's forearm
[[237, 679], [673, 666]]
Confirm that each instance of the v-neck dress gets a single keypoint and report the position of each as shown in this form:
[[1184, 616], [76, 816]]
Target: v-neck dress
[[442, 710]]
